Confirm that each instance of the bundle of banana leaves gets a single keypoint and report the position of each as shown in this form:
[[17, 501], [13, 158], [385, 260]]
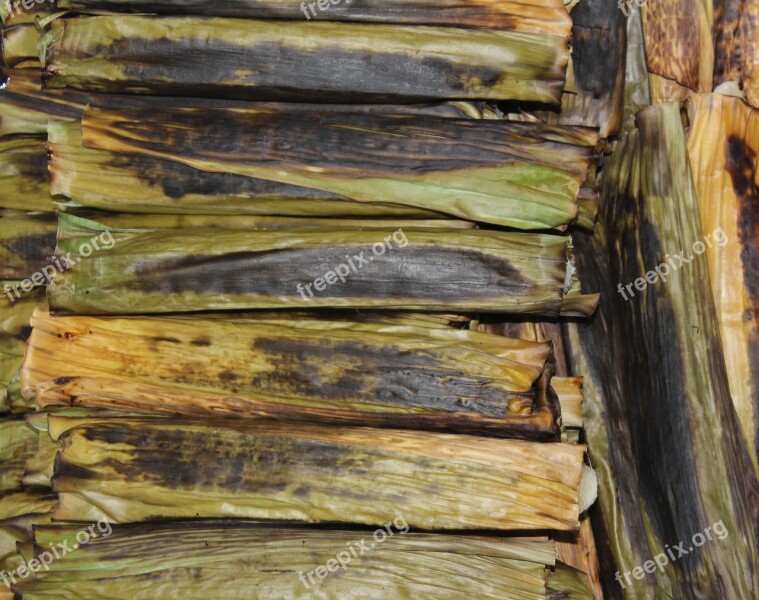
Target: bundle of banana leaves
[[27, 109], [178, 270], [693, 46], [230, 559], [396, 373], [684, 433], [300, 60], [723, 146], [542, 16], [19, 512], [521, 175], [135, 469]]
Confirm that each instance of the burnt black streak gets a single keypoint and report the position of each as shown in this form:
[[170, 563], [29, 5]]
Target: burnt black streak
[[728, 42], [351, 143], [178, 180], [655, 407], [598, 28], [30, 251], [741, 165], [381, 375], [211, 68], [598, 336], [232, 460], [411, 272]]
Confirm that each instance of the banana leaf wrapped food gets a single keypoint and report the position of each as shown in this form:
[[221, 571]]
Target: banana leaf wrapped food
[[298, 61], [407, 374], [131, 470], [521, 175], [222, 560], [160, 271]]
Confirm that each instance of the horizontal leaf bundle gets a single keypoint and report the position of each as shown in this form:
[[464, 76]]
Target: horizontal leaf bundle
[[292, 61], [541, 16], [522, 175], [422, 269], [111, 181], [230, 560], [17, 443], [130, 470], [390, 374]]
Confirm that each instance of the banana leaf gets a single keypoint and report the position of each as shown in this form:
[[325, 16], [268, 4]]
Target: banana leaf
[[25, 243], [17, 443], [19, 512], [687, 446], [366, 373], [11, 358], [422, 269], [548, 17], [723, 144], [301, 61], [521, 175], [20, 46], [241, 561], [151, 221], [85, 177], [23, 175], [15, 313], [130, 470], [26, 109], [593, 351]]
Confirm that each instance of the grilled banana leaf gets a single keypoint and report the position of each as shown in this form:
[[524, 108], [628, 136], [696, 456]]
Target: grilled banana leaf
[[97, 179], [723, 145], [687, 443], [366, 373], [548, 17], [24, 179], [521, 175], [20, 46], [18, 442], [300, 61], [130, 470], [426, 269], [26, 108], [231, 560], [26, 241]]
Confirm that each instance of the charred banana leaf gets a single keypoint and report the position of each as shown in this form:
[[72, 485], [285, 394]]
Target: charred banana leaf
[[521, 175], [26, 241], [548, 17], [422, 269], [130, 470], [18, 442], [228, 560], [367, 373], [24, 179], [723, 145], [112, 181], [688, 448], [292, 61]]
